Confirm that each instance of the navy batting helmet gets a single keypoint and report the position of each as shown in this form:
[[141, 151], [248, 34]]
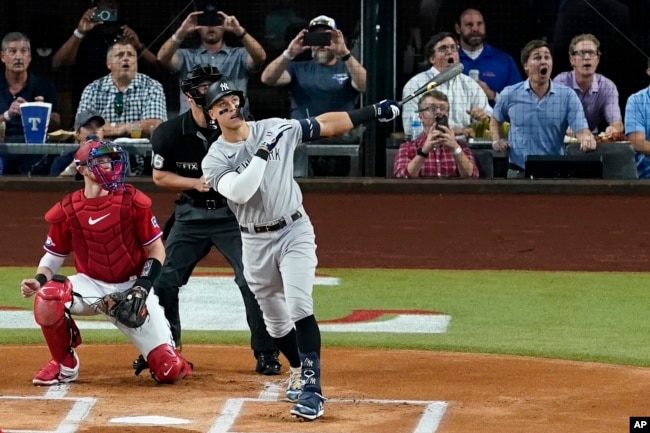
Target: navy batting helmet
[[199, 74], [219, 89]]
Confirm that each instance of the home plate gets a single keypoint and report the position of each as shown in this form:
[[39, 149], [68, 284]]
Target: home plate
[[149, 419]]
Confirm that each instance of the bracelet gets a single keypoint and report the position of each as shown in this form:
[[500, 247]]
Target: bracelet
[[287, 55], [457, 151], [41, 278], [6, 116], [78, 34], [243, 34], [177, 40], [346, 57], [422, 153]]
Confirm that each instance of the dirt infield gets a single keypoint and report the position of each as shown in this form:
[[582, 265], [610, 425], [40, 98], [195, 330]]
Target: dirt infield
[[370, 390]]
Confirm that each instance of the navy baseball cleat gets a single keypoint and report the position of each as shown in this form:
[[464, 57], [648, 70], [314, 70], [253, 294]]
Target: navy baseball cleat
[[268, 363], [309, 406]]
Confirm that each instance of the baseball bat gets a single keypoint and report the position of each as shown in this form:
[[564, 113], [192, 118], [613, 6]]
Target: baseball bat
[[442, 77]]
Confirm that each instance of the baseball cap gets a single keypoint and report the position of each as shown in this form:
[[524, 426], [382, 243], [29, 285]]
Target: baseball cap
[[322, 21], [83, 117], [81, 155]]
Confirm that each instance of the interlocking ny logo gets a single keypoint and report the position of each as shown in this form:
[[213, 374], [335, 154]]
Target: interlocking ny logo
[[224, 86]]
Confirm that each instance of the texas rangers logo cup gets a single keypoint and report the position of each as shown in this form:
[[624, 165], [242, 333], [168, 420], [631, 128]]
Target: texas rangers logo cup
[[36, 118]]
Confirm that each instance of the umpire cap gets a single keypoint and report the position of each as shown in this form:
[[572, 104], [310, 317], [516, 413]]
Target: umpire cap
[[219, 89]]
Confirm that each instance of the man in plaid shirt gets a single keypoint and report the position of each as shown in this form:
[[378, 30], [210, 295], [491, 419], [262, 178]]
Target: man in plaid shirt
[[435, 153], [124, 96]]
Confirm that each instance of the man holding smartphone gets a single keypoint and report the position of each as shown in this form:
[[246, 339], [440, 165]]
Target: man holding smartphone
[[331, 81], [235, 63]]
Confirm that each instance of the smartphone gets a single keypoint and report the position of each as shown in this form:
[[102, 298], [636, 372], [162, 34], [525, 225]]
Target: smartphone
[[209, 19], [105, 15], [317, 39], [441, 120]]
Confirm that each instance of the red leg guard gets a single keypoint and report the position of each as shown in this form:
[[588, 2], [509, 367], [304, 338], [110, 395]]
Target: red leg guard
[[168, 365], [52, 314]]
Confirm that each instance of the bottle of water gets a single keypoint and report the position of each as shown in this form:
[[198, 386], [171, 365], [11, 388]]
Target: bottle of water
[[416, 126]]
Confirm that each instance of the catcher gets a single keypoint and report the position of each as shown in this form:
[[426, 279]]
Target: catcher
[[118, 254]]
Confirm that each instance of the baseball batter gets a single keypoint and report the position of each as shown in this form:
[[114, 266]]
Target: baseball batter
[[117, 246], [251, 164]]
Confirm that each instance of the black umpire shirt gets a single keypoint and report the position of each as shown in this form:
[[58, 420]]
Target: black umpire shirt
[[179, 146]]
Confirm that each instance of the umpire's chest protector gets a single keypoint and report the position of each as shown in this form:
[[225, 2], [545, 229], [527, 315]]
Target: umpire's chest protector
[[103, 236]]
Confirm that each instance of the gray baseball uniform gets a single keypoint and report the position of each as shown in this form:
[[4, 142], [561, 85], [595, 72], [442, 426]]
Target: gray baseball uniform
[[279, 249]]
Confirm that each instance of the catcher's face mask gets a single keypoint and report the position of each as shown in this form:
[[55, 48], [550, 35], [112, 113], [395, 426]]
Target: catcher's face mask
[[108, 162]]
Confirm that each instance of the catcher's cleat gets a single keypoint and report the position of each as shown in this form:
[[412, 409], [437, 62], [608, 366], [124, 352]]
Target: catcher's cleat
[[294, 387], [139, 365], [309, 407], [268, 363], [54, 373]]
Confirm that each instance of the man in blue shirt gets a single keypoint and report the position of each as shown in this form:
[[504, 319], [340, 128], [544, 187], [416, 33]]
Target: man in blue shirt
[[331, 81], [637, 127], [495, 68], [539, 112]]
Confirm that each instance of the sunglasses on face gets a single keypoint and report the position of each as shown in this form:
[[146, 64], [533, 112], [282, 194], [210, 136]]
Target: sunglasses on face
[[118, 103]]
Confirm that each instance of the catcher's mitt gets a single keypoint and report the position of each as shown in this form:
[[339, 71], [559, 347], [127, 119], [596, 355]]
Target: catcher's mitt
[[129, 308]]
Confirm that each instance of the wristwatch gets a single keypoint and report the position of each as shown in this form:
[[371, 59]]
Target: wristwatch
[[422, 153]]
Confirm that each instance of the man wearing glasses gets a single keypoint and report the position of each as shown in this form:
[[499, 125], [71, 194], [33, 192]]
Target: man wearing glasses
[[599, 95], [435, 153], [466, 98]]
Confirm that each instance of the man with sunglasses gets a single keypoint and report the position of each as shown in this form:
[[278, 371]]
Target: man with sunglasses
[[435, 153], [467, 100], [126, 97], [598, 94]]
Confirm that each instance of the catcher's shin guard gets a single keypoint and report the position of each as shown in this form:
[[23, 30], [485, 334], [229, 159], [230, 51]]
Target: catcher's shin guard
[[168, 365], [52, 313]]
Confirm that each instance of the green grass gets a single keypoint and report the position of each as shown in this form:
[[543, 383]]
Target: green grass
[[571, 315]]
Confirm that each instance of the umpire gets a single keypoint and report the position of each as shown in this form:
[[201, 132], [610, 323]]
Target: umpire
[[202, 217]]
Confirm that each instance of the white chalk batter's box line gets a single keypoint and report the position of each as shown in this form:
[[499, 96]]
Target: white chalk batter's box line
[[433, 411]]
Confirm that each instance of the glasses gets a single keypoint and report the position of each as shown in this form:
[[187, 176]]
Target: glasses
[[434, 108], [447, 48], [118, 103], [584, 53]]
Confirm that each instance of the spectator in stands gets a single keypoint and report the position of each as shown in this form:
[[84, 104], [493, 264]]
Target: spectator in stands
[[598, 95], [124, 96], [88, 125], [449, 159], [235, 63], [466, 98], [539, 112], [637, 127], [86, 47], [331, 81], [496, 68], [18, 85], [126, 99]]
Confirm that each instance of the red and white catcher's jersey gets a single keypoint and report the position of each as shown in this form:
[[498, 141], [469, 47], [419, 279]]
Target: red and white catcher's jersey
[[107, 234]]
